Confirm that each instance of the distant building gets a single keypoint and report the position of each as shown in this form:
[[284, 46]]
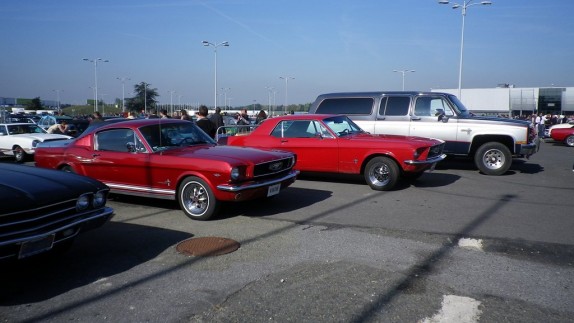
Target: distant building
[[513, 101]]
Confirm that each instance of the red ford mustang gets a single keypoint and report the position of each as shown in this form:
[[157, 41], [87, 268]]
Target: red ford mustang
[[565, 135], [335, 144], [171, 159]]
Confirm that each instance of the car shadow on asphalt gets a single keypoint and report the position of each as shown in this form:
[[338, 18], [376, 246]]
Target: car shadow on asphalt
[[519, 165], [112, 249]]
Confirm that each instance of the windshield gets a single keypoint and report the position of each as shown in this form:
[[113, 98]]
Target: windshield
[[23, 129], [171, 135], [342, 125], [460, 108]]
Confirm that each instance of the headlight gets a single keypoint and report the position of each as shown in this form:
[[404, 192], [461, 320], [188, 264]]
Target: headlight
[[419, 152], [235, 174], [99, 199], [35, 143], [83, 202]]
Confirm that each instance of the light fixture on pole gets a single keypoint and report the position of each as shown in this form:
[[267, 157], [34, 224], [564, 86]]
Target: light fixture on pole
[[225, 44], [95, 61], [58, 97], [403, 72], [286, 78], [123, 80], [465, 5]]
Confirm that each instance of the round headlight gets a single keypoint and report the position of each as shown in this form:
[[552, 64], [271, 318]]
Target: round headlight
[[83, 202], [99, 199], [235, 173]]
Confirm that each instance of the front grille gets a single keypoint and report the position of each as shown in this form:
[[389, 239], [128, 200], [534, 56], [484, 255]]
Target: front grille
[[39, 220], [274, 167], [435, 151]]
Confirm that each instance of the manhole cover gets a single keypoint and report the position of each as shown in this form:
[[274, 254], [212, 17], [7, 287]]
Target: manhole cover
[[208, 246]]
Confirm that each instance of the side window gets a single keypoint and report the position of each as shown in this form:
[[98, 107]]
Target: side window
[[3, 130], [395, 106], [320, 128], [281, 128], [348, 106], [299, 129], [432, 107], [114, 140]]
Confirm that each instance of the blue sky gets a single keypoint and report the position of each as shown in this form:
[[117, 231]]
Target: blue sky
[[325, 45]]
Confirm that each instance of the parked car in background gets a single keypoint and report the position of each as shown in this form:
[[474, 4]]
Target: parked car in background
[[335, 144], [20, 139], [75, 126], [558, 126], [44, 209], [565, 135], [491, 142], [171, 159]]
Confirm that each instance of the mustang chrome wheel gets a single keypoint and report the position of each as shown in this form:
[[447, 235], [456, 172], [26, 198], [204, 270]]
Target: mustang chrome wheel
[[381, 173], [196, 199]]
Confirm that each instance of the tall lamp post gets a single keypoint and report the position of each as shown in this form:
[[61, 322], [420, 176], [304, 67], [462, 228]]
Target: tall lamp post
[[465, 5], [225, 89], [171, 100], [269, 91], [403, 72], [286, 78], [95, 61], [58, 97], [123, 80], [225, 44]]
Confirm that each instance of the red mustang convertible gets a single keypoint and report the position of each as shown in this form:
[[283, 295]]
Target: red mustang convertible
[[335, 144], [171, 159]]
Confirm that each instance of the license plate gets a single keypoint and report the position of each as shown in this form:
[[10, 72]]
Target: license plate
[[33, 247], [273, 189]]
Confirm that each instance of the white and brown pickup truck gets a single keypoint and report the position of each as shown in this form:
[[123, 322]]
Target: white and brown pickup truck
[[491, 142]]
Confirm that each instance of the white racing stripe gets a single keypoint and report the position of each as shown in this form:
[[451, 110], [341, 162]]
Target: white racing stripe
[[456, 309]]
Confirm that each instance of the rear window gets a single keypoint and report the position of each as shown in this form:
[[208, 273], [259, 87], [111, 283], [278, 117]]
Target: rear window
[[348, 106]]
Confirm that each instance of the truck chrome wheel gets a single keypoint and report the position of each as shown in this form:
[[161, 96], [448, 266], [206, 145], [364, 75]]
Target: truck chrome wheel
[[493, 158]]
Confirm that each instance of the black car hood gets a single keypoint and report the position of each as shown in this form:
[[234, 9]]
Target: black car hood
[[27, 187]]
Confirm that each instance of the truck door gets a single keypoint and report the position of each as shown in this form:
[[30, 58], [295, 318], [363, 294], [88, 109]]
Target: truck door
[[393, 115], [433, 117]]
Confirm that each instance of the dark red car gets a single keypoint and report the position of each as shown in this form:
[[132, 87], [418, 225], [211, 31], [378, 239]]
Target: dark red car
[[171, 159], [565, 135], [335, 144]]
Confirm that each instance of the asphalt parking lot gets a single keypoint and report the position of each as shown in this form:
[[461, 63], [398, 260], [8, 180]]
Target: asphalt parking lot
[[455, 242]]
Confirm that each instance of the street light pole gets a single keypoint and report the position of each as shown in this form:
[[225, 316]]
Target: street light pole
[[224, 89], [225, 44], [465, 5], [286, 78], [58, 97], [123, 80], [403, 72], [171, 100], [269, 90], [95, 61]]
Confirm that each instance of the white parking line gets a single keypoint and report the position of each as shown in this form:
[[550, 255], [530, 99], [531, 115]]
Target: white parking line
[[457, 309], [468, 243]]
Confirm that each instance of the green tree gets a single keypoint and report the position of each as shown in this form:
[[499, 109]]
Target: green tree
[[35, 104], [145, 97]]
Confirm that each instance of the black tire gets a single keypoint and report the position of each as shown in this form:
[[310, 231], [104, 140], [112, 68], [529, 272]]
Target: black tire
[[67, 169], [569, 141], [381, 173], [19, 154], [196, 199], [493, 158]]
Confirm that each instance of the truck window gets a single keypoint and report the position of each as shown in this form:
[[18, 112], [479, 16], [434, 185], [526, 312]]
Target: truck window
[[348, 106], [431, 107], [395, 106]]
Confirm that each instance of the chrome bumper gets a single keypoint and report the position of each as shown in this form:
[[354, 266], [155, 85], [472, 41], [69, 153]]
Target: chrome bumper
[[426, 161], [257, 184]]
